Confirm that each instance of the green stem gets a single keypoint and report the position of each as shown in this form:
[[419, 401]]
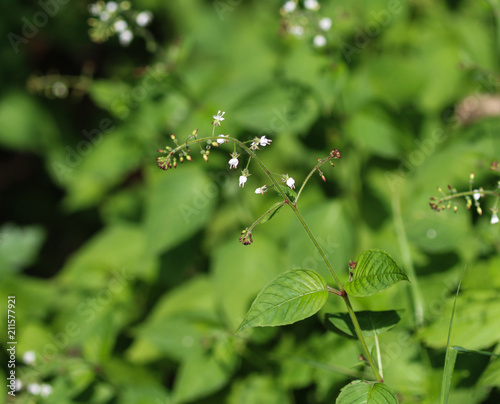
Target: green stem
[[316, 167], [362, 341], [404, 246], [492, 192], [344, 295]]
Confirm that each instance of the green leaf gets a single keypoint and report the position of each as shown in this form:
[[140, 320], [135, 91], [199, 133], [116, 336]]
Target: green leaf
[[17, 132], [116, 252], [290, 297], [374, 272], [257, 266], [359, 392], [369, 321], [449, 367], [203, 373], [272, 211], [19, 246], [491, 376], [289, 192], [187, 315], [475, 324], [334, 231], [461, 349], [178, 206], [257, 389]]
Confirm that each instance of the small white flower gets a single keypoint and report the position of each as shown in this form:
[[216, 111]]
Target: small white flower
[[296, 30], [104, 16], [45, 390], [261, 190], [221, 141], [126, 37], [144, 18], [494, 218], [242, 180], [290, 182], [233, 162], [120, 26], [218, 118], [111, 6], [29, 357], [18, 385], [319, 41], [477, 195], [94, 9], [59, 89], [289, 6], [34, 388], [325, 23], [265, 141], [311, 4]]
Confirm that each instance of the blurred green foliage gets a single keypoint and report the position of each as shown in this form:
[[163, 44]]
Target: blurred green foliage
[[130, 281]]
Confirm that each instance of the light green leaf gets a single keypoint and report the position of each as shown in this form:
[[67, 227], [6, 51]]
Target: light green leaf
[[290, 297], [179, 205], [359, 392], [257, 265], [257, 389], [369, 321], [178, 324], [374, 131], [334, 230], [117, 252], [205, 372], [19, 246], [475, 324], [24, 124], [113, 96], [449, 367], [374, 272]]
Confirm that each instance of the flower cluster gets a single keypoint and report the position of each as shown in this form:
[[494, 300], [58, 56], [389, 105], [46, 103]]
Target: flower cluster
[[116, 18], [472, 197], [36, 389], [181, 152], [246, 237], [304, 22]]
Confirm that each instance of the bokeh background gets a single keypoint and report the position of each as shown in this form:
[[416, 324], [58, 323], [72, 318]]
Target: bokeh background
[[130, 281]]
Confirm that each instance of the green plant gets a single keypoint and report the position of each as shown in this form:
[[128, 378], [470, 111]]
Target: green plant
[[301, 293]]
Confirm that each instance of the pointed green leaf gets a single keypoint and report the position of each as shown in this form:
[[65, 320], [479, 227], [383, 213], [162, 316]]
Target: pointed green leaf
[[289, 192], [274, 209], [290, 297], [359, 392], [375, 271], [203, 373], [369, 321], [449, 367], [461, 349]]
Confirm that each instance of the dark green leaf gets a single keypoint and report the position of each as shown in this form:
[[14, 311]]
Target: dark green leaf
[[290, 297], [374, 272], [274, 209], [369, 321], [460, 349]]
